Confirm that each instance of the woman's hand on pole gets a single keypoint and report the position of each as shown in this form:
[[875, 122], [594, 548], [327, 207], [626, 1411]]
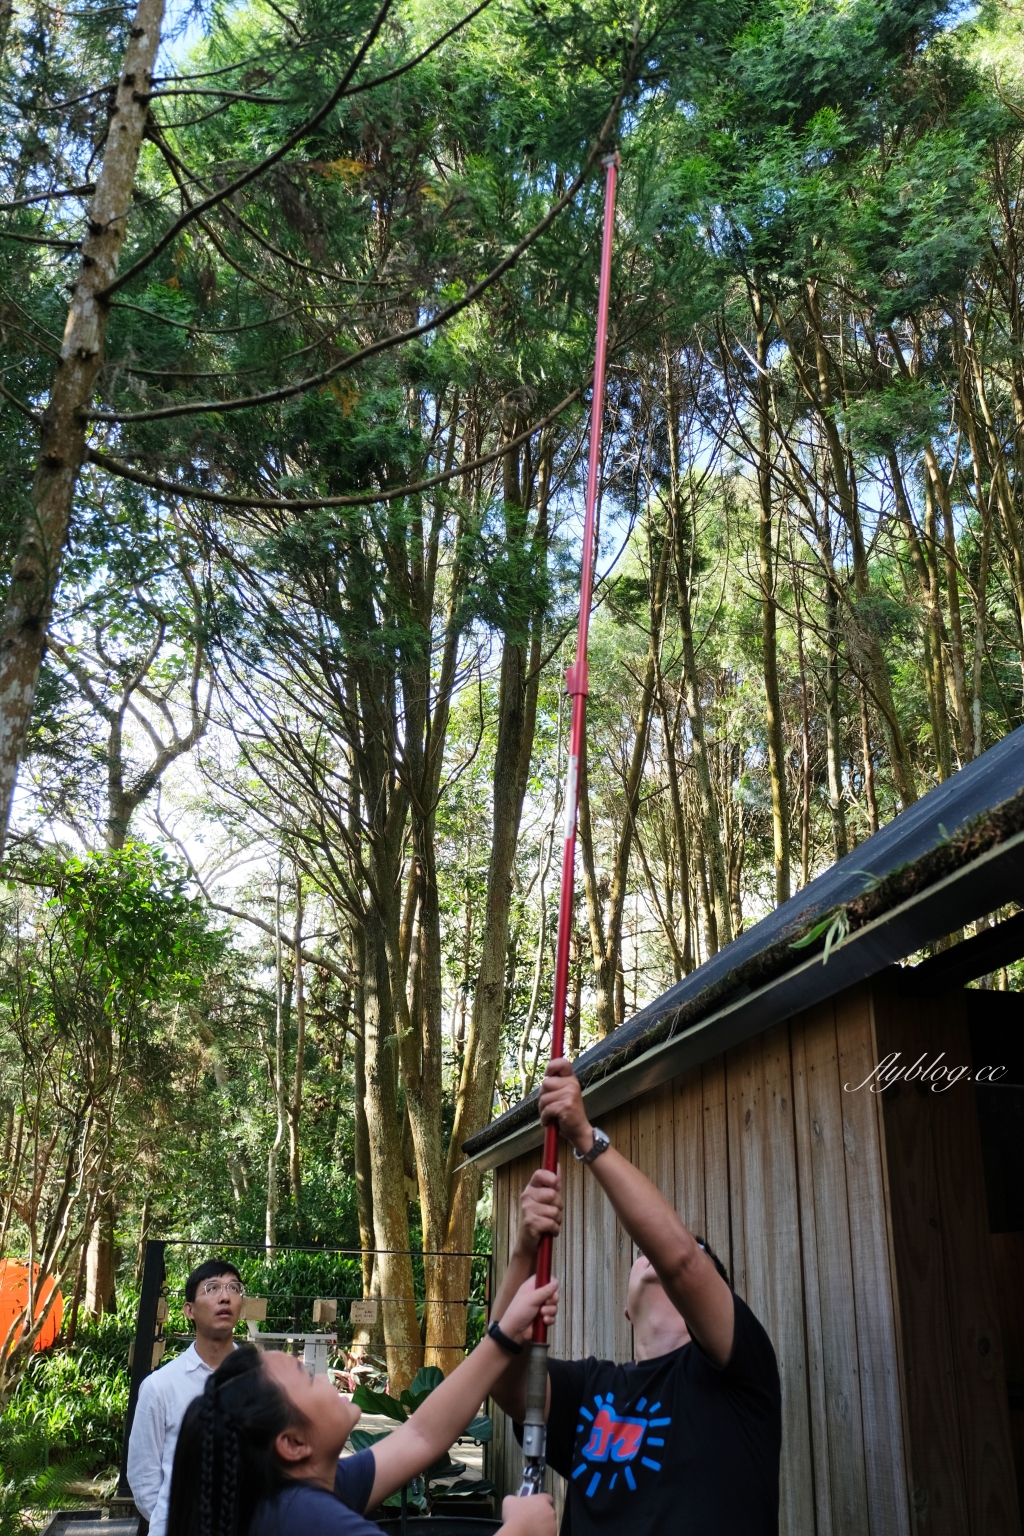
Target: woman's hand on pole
[[416, 1444], [529, 1302], [534, 1516], [561, 1100]]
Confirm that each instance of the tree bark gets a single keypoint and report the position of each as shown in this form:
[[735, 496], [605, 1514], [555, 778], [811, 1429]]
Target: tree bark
[[40, 551], [769, 616], [869, 762], [276, 1067], [390, 1210], [606, 936], [295, 1102], [364, 1185], [100, 1289], [833, 723], [517, 716], [669, 732], [965, 735], [934, 633], [711, 825]]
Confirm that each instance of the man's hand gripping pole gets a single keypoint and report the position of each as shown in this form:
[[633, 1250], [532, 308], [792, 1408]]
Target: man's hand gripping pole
[[535, 1423]]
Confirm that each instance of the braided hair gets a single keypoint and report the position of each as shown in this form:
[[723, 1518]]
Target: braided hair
[[224, 1462]]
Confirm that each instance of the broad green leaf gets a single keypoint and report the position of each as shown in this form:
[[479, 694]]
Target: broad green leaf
[[423, 1383], [468, 1488], [379, 1402], [362, 1439], [444, 1467]]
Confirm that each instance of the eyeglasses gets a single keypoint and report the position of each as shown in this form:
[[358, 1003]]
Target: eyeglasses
[[217, 1287]]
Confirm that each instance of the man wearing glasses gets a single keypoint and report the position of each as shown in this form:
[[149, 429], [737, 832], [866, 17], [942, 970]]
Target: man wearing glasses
[[213, 1302]]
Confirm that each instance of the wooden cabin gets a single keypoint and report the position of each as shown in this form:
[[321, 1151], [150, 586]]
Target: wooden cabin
[[879, 1236]]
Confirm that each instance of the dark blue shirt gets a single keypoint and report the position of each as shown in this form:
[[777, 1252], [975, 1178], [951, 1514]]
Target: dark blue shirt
[[673, 1445], [307, 1510]]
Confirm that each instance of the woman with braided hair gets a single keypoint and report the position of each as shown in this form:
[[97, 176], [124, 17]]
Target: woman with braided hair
[[258, 1453]]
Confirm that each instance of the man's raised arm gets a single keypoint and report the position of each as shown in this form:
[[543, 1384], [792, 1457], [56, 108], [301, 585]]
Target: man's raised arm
[[690, 1279]]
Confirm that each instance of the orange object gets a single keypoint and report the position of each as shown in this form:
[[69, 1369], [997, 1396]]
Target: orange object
[[14, 1301]]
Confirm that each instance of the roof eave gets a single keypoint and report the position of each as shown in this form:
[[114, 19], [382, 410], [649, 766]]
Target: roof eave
[[991, 880]]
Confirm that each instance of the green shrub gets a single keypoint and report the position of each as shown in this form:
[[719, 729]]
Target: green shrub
[[65, 1419]]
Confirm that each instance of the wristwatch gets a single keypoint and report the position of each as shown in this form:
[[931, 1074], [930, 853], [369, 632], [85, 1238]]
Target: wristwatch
[[601, 1144]]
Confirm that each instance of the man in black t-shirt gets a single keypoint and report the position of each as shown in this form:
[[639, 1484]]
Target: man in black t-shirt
[[686, 1437]]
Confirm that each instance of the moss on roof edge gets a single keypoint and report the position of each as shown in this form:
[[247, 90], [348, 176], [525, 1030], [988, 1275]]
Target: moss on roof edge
[[974, 838]]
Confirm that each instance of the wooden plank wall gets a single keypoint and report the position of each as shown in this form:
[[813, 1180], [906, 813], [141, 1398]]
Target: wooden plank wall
[[958, 1424], [764, 1155], [1008, 1261]]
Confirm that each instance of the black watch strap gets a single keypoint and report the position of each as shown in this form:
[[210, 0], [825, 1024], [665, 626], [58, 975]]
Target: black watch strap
[[503, 1341]]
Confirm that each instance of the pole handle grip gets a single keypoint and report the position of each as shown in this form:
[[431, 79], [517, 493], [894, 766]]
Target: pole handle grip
[[537, 1385]]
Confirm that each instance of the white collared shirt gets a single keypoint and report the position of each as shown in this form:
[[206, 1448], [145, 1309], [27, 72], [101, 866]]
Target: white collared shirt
[[163, 1398]]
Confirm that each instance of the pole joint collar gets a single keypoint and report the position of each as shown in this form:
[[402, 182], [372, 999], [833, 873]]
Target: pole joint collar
[[576, 680]]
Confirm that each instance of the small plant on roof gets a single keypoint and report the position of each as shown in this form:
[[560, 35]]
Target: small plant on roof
[[835, 925]]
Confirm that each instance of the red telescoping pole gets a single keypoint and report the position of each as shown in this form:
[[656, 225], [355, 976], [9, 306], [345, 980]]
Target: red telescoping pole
[[534, 1427]]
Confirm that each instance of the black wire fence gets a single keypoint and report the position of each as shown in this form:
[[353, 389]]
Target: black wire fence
[[290, 1279]]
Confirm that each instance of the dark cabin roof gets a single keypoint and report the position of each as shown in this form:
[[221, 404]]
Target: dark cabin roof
[[954, 856]]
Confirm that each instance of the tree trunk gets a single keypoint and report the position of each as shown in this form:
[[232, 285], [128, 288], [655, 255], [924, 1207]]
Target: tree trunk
[[76, 1296], [606, 938], [364, 1197], [1004, 491], [805, 722], [769, 617], [276, 1067], [833, 724], [711, 826], [140, 1251], [863, 633], [40, 552], [236, 1167], [937, 636], [295, 1103], [965, 741], [517, 717], [934, 636], [670, 733], [980, 616], [364, 1185], [869, 762], [384, 798], [390, 1208], [100, 1266]]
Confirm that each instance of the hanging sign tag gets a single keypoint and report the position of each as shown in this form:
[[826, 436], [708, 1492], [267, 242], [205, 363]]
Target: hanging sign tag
[[363, 1312]]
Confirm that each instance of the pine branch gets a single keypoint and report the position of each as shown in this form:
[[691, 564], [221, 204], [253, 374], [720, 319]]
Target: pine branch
[[385, 343], [300, 133], [299, 504]]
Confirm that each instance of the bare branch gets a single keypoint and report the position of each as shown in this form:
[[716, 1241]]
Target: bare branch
[[46, 197]]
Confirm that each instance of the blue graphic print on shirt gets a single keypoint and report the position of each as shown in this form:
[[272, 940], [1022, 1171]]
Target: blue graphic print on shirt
[[617, 1440]]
